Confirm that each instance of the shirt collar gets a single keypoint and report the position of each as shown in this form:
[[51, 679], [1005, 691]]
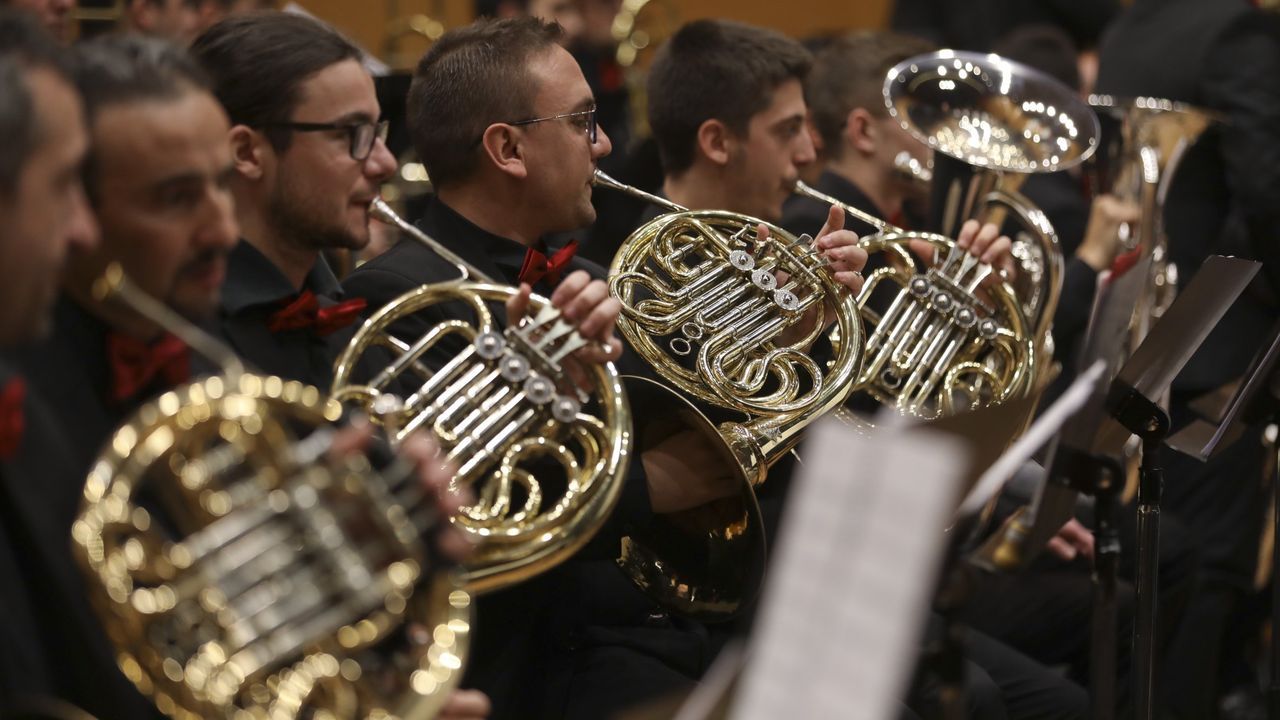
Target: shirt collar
[[490, 253], [254, 280]]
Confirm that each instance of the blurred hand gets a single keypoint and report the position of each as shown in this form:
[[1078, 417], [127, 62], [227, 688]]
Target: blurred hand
[[1101, 241], [685, 471], [434, 472], [465, 705], [1072, 539]]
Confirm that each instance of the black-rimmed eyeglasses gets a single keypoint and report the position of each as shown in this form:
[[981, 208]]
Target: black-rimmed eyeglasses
[[362, 134]]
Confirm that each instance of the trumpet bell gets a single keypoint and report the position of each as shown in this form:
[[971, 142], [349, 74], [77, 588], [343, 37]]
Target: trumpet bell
[[239, 574]]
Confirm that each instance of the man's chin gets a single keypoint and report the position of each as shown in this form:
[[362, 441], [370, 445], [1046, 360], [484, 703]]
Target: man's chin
[[199, 309]]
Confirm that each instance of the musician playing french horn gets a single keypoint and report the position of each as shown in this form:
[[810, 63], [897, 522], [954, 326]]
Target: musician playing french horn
[[723, 146], [308, 155], [511, 145], [157, 173]]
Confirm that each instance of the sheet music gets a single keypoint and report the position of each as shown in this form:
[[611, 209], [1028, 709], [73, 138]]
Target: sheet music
[[852, 576]]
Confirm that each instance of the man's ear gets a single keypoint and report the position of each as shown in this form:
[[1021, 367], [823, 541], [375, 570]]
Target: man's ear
[[861, 132], [503, 147], [716, 141], [250, 152]]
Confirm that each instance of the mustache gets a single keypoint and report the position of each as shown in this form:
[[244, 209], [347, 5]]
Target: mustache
[[203, 260]]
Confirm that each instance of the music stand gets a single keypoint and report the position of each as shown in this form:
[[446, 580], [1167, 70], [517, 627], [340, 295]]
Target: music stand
[[1085, 456]]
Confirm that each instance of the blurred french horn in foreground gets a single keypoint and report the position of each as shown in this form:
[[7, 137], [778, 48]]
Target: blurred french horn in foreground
[[240, 572], [545, 458]]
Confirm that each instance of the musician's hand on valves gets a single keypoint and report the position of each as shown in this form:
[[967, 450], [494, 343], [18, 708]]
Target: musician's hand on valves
[[983, 242], [1072, 539], [840, 248], [1101, 241], [685, 471], [587, 304], [845, 259]]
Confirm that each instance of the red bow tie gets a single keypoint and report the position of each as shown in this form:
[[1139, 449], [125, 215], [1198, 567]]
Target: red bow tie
[[538, 266], [305, 312], [135, 364], [12, 421], [1124, 262]]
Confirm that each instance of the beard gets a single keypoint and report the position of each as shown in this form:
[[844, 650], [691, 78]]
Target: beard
[[303, 224]]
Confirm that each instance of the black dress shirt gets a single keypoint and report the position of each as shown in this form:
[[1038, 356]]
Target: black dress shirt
[[255, 289]]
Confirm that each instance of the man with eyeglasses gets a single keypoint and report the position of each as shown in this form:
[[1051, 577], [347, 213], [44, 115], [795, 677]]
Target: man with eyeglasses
[[504, 121], [308, 153]]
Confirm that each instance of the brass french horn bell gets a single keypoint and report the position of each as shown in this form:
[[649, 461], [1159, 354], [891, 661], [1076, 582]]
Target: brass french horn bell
[[241, 573]]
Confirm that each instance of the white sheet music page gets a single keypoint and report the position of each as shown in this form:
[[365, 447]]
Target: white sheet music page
[[852, 574]]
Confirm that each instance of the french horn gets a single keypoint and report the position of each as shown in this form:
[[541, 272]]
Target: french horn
[[939, 345], [545, 457], [708, 305], [240, 573]]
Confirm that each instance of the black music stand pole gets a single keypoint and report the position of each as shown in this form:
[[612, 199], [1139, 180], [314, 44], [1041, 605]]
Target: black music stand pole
[[1099, 476], [1146, 419]]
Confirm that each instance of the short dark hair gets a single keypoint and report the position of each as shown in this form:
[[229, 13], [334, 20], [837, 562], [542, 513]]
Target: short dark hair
[[259, 61], [1047, 48], [849, 74], [716, 69], [471, 78], [24, 44], [121, 69]]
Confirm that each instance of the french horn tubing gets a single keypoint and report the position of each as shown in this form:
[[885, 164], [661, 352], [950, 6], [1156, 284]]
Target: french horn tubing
[[239, 572], [545, 458]]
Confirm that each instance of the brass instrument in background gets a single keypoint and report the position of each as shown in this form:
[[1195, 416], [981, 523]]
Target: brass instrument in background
[[918, 174], [703, 305], [240, 573], [940, 345], [640, 27], [1151, 135], [504, 398]]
